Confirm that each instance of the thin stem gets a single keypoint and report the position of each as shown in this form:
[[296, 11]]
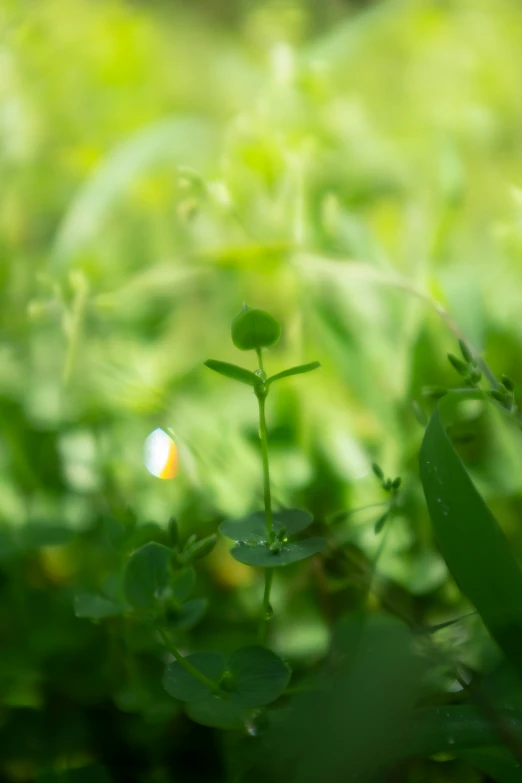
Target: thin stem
[[269, 572], [266, 469], [267, 609], [189, 668]]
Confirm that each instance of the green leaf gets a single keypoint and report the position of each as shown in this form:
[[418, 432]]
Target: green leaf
[[183, 584], [183, 686], [260, 555], [299, 370], [232, 371], [217, 713], [254, 329], [253, 527], [259, 676], [471, 540], [146, 574], [497, 763], [95, 606], [188, 615], [451, 729]]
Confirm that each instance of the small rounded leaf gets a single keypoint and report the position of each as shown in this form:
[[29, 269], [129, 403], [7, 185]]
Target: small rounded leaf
[[146, 574], [187, 616], [259, 676], [253, 527], [253, 329], [95, 606], [217, 713], [260, 555], [183, 584], [183, 686]]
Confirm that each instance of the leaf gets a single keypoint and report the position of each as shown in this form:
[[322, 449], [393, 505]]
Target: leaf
[[232, 371], [253, 527], [260, 555], [146, 574], [470, 538], [497, 763], [451, 728], [299, 370], [188, 615], [259, 676], [95, 606], [217, 713], [183, 584], [183, 686]]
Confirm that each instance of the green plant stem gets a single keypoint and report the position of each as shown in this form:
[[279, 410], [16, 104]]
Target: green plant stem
[[267, 609], [269, 572], [189, 668]]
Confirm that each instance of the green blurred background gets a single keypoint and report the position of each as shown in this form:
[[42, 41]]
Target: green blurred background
[[354, 168]]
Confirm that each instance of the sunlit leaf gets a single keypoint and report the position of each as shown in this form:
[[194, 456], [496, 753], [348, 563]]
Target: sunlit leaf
[[232, 371], [299, 370]]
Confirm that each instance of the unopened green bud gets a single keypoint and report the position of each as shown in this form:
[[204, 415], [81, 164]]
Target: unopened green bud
[[508, 383], [378, 471], [396, 482], [380, 522], [254, 329], [475, 375], [460, 366], [499, 395], [466, 353]]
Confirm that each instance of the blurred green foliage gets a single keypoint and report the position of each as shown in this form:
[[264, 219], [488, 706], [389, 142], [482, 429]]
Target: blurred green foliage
[[355, 169]]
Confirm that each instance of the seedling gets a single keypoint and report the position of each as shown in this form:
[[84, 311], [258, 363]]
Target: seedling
[[262, 539]]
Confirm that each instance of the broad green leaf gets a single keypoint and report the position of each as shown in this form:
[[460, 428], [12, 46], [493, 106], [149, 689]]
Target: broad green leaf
[[217, 713], [253, 527], [451, 728], [183, 686], [471, 540], [146, 574], [183, 584], [259, 676], [232, 371], [497, 763], [260, 555], [189, 614], [254, 329], [95, 606], [299, 370]]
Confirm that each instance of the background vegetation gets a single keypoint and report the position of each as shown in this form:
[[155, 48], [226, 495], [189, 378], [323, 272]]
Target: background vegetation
[[355, 169]]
